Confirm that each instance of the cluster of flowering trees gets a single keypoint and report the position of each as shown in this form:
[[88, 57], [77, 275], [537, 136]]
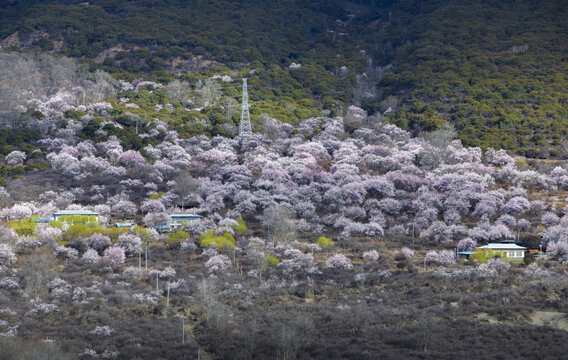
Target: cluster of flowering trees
[[372, 181]]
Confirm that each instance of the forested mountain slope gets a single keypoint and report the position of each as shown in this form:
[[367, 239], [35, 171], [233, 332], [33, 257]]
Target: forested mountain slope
[[495, 69], [167, 40]]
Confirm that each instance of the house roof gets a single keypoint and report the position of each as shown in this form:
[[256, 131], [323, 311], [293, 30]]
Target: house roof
[[42, 219], [466, 252], [190, 216], [124, 224], [75, 212], [494, 246]]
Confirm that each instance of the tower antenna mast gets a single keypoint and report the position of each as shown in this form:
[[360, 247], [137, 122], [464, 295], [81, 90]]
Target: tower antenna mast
[[244, 126]]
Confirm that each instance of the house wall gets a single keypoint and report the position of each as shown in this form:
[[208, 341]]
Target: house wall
[[180, 221], [512, 254], [77, 219]]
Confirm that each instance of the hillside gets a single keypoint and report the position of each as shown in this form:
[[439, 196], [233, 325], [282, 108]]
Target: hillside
[[166, 41], [496, 70], [135, 221], [321, 235]]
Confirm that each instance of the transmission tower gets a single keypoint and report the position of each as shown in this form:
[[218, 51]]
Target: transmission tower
[[244, 126]]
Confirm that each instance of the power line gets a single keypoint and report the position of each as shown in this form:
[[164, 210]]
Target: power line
[[230, 87]]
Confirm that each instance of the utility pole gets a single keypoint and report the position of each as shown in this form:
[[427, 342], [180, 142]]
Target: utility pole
[[146, 253], [244, 126], [139, 252], [168, 298]]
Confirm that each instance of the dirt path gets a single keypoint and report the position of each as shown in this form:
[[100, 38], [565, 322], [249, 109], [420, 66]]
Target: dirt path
[[556, 320]]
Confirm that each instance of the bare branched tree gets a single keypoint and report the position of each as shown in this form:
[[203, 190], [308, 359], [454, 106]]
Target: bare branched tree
[[37, 272], [207, 298], [289, 342], [443, 136], [438, 140], [179, 90], [100, 86], [209, 92], [185, 187], [278, 221]]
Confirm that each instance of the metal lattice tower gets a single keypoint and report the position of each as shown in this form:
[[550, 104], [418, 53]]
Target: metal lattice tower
[[244, 126]]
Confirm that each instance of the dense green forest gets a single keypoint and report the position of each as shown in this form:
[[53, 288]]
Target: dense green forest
[[231, 32], [495, 69]]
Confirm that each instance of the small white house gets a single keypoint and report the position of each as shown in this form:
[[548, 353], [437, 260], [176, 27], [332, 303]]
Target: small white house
[[512, 251], [77, 216], [177, 220]]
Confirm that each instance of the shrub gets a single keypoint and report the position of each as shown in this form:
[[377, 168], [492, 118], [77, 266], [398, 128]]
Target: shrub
[[272, 260], [372, 255], [82, 231], [115, 255], [407, 253], [66, 253], [23, 227], [494, 266], [17, 348], [48, 234], [208, 239], [338, 261], [533, 271], [97, 241], [324, 242], [56, 224], [102, 330], [141, 232], [240, 227], [443, 257], [91, 256], [113, 233], [467, 244], [557, 249], [78, 231], [177, 237], [218, 263], [7, 255], [484, 255], [131, 244]]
